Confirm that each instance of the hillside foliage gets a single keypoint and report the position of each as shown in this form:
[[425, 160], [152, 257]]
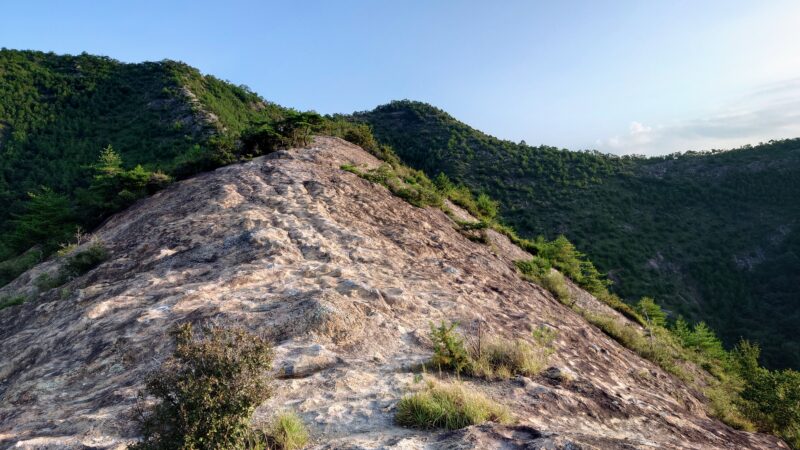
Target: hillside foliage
[[82, 137], [712, 236]]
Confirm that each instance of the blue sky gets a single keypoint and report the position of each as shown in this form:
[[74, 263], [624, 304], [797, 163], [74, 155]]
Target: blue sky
[[624, 76]]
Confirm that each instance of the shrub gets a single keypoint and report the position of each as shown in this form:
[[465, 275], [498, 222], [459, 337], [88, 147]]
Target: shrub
[[286, 432], [554, 282], [14, 300], [725, 404], [45, 282], [448, 349], [501, 358], [207, 390], [658, 345], [771, 398], [487, 207], [535, 268], [490, 357], [79, 263], [539, 271], [448, 406]]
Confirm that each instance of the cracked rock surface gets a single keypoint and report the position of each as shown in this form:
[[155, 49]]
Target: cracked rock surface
[[346, 279]]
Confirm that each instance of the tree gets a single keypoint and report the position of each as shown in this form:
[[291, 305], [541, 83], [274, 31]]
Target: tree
[[109, 164], [114, 188], [443, 183], [653, 313], [48, 221], [486, 206]]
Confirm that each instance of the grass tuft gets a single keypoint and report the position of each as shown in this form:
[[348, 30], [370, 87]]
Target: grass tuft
[[287, 432], [449, 406]]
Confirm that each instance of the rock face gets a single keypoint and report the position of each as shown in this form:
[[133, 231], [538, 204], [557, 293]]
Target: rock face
[[346, 278]]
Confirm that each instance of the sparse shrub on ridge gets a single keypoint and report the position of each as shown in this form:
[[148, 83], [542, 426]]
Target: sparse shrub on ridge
[[498, 358], [81, 262], [14, 300], [75, 264], [207, 390], [449, 351], [490, 357]]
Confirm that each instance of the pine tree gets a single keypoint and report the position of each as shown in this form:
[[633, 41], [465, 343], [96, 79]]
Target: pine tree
[[653, 313], [48, 221]]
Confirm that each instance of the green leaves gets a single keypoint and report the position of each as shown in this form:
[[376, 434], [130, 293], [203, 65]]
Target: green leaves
[[449, 352], [652, 313], [770, 398], [207, 389], [114, 188], [48, 220]]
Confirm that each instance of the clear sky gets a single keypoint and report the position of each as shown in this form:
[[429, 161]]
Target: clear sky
[[620, 76]]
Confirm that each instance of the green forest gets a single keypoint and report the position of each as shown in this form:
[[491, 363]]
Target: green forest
[[711, 235]]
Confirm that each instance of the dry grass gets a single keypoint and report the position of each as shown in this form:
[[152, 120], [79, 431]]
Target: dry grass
[[501, 358]]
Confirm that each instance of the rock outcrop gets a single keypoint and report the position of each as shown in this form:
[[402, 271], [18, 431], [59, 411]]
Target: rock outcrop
[[346, 278]]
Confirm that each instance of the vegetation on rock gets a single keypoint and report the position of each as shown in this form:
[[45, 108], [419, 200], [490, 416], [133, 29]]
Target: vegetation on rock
[[449, 406], [207, 390], [490, 357], [710, 235]]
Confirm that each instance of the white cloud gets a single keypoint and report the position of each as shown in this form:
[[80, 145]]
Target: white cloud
[[769, 112]]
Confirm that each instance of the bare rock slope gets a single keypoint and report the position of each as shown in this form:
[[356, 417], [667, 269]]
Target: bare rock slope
[[346, 278]]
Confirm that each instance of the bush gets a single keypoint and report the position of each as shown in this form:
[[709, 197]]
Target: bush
[[286, 432], [207, 390], [771, 398], [449, 352], [539, 271], [14, 300], [448, 406], [554, 282], [659, 346], [79, 263], [501, 358], [487, 207], [652, 313], [410, 185], [535, 268], [490, 357]]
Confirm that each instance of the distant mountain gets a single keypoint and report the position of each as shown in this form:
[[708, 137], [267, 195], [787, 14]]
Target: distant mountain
[[714, 236]]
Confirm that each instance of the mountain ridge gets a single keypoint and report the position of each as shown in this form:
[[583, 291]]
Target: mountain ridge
[[236, 126], [712, 235], [345, 277]]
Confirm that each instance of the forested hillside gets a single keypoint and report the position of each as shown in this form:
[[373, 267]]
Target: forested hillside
[[82, 137], [712, 235]]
